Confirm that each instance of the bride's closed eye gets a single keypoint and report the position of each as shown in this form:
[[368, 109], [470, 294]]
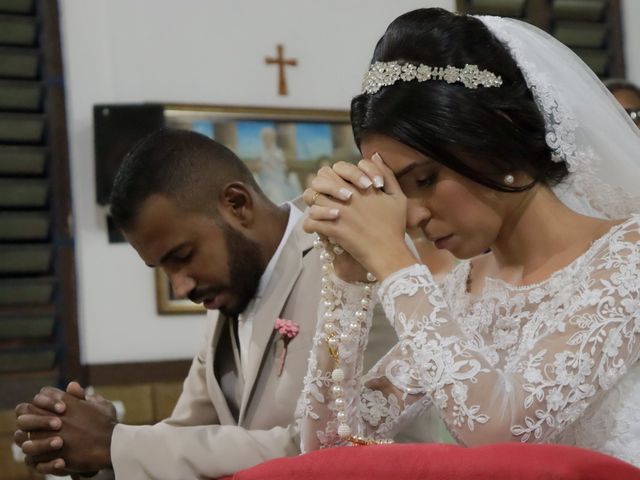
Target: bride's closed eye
[[426, 180]]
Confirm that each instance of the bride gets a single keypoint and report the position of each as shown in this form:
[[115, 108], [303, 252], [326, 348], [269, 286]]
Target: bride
[[503, 147]]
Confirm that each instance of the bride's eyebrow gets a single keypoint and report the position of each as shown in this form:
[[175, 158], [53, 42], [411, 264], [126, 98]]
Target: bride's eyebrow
[[411, 167]]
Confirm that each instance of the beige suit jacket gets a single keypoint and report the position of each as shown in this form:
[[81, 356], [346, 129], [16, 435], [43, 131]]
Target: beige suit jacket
[[223, 423]]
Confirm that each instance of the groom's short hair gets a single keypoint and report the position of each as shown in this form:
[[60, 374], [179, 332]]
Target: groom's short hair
[[182, 165]]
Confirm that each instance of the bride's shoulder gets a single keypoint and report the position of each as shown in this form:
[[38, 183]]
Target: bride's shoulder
[[627, 230], [634, 221], [621, 239]]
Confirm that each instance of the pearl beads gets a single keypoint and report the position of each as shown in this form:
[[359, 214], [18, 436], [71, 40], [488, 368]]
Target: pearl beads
[[344, 430], [335, 336], [329, 328]]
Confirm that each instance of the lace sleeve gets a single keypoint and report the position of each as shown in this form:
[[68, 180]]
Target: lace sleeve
[[576, 345], [317, 410], [578, 340]]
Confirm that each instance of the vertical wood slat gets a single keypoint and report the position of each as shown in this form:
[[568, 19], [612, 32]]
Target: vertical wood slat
[[539, 14], [63, 239], [38, 313], [617, 66]]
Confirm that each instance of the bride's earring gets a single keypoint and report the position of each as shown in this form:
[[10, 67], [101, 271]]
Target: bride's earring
[[508, 179]]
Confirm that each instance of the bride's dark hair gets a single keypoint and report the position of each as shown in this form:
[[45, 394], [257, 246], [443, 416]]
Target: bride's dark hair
[[484, 133]]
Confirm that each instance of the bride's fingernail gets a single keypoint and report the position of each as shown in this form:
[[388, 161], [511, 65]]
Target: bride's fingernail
[[376, 156], [378, 181], [345, 193], [364, 182], [334, 212]]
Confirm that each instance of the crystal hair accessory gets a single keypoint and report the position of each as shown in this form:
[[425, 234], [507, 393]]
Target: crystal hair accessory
[[383, 74]]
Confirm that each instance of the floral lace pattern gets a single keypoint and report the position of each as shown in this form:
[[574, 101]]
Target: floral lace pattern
[[555, 361]]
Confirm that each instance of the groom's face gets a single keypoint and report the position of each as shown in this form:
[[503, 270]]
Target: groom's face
[[205, 259]]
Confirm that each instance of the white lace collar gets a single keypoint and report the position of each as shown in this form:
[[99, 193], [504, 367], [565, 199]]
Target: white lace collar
[[463, 270]]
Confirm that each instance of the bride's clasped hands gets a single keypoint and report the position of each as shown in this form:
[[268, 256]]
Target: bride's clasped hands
[[363, 209]]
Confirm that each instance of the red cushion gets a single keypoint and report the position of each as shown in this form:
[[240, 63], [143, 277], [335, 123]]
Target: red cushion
[[445, 462]]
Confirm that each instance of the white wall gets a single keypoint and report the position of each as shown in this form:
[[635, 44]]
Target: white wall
[[631, 20], [189, 51], [200, 51]]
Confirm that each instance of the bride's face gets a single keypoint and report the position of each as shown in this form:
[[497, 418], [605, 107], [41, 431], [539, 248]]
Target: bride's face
[[454, 212]]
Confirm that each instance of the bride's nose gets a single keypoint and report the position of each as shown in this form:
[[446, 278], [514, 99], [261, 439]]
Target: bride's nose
[[418, 215]]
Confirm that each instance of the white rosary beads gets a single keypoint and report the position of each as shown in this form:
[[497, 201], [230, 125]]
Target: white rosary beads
[[335, 336]]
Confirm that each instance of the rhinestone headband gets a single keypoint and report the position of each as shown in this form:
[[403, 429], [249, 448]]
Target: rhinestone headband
[[383, 74]]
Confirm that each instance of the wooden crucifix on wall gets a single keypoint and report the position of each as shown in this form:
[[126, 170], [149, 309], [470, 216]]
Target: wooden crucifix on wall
[[281, 62]]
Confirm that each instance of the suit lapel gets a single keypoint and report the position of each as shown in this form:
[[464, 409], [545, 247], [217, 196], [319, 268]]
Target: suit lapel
[[285, 274]]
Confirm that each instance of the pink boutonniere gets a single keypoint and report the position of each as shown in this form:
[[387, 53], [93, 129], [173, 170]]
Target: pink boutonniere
[[288, 329]]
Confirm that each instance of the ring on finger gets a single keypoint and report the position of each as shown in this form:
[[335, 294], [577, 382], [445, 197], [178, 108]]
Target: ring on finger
[[29, 436], [315, 196]]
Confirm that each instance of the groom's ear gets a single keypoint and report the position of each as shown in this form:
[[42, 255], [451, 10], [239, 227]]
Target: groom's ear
[[236, 205]]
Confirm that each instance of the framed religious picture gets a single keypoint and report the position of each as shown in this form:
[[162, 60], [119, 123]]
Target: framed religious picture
[[283, 148], [167, 303]]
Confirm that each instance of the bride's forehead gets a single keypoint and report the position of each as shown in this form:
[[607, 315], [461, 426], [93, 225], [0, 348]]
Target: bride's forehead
[[395, 154]]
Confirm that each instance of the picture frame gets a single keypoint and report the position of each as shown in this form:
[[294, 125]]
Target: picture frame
[[167, 303], [282, 147]]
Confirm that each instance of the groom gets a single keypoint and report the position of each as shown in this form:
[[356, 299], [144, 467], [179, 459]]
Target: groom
[[188, 205]]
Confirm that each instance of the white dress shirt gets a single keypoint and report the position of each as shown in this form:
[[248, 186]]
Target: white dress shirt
[[245, 319]]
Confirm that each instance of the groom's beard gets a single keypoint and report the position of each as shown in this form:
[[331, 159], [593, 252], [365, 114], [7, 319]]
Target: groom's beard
[[245, 269]]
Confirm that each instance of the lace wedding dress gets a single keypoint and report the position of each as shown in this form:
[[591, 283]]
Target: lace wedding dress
[[552, 362]]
